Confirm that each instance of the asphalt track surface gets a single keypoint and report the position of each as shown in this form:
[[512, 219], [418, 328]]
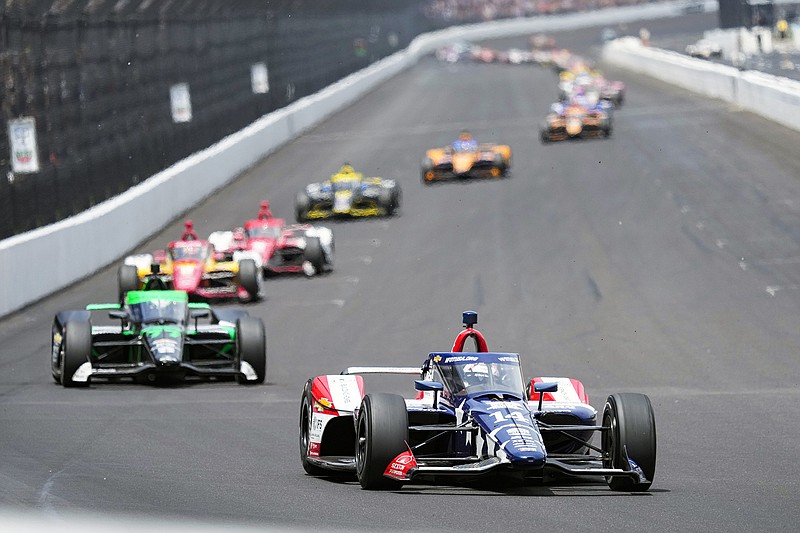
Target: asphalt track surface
[[664, 260]]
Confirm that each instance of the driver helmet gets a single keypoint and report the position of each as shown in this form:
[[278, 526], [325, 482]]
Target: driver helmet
[[476, 374], [464, 136], [238, 234], [347, 169]]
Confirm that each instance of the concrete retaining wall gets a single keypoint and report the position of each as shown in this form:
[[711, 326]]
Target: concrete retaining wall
[[772, 97]]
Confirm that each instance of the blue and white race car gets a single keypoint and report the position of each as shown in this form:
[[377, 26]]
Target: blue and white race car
[[473, 416]]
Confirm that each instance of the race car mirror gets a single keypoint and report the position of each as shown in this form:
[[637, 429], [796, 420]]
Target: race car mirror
[[425, 385], [118, 313], [541, 388], [198, 313]]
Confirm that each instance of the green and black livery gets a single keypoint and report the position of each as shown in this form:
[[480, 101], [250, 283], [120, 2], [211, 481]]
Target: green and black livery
[[157, 335]]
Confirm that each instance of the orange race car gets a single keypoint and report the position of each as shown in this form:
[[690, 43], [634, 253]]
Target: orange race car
[[575, 120], [466, 158]]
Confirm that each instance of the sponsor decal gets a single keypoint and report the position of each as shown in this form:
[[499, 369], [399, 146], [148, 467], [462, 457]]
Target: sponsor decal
[[507, 359], [313, 449], [437, 358], [504, 405], [318, 423], [165, 346], [345, 393], [400, 466], [460, 358], [24, 150]]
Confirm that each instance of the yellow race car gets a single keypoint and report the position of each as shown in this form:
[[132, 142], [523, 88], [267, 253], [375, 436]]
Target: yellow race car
[[466, 158], [348, 194]]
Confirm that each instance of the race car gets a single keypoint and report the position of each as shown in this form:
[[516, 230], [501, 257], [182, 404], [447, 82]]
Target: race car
[[576, 120], [348, 194], [610, 90], [191, 265], [156, 336], [473, 416], [278, 248], [465, 158]]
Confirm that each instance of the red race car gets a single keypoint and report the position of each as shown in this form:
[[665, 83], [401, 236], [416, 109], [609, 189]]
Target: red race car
[[192, 265], [277, 248]]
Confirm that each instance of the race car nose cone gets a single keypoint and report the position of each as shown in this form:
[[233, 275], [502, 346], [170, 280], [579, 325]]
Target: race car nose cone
[[167, 361]]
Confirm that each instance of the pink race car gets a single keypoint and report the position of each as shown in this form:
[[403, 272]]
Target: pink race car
[[277, 248], [192, 265]]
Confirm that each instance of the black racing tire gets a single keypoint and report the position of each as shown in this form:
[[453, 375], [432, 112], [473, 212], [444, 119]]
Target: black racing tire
[[55, 357], [381, 435], [329, 256], [397, 195], [127, 280], [248, 277], [544, 136], [500, 163], [251, 348], [306, 411], [77, 348], [314, 254], [427, 167], [302, 204], [385, 200], [631, 427]]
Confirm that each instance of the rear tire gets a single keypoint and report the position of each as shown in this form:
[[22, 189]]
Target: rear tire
[[381, 435], [127, 280], [632, 428], [251, 344], [500, 164], [248, 277], [428, 175], [77, 348], [314, 254], [302, 204], [386, 201], [306, 415]]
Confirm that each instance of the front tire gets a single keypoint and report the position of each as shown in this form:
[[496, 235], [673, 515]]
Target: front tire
[[251, 344], [127, 280], [248, 277], [302, 204], [77, 348], [306, 416], [381, 435], [631, 427], [314, 254]]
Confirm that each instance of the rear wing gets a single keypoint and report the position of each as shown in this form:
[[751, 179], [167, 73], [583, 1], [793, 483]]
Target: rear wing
[[409, 370]]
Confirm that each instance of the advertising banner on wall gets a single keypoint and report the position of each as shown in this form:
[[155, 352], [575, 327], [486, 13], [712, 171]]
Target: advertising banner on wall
[[180, 102], [22, 140], [259, 78]]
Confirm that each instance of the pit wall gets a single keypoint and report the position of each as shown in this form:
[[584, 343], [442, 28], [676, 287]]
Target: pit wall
[[772, 97], [38, 263]]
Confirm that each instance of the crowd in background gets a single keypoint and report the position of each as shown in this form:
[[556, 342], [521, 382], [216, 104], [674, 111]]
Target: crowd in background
[[482, 10]]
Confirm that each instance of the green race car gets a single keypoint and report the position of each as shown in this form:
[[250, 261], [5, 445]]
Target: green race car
[[159, 337]]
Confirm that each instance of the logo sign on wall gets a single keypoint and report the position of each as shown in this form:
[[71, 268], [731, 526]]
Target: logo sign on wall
[[259, 78], [24, 154], [181, 102]]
